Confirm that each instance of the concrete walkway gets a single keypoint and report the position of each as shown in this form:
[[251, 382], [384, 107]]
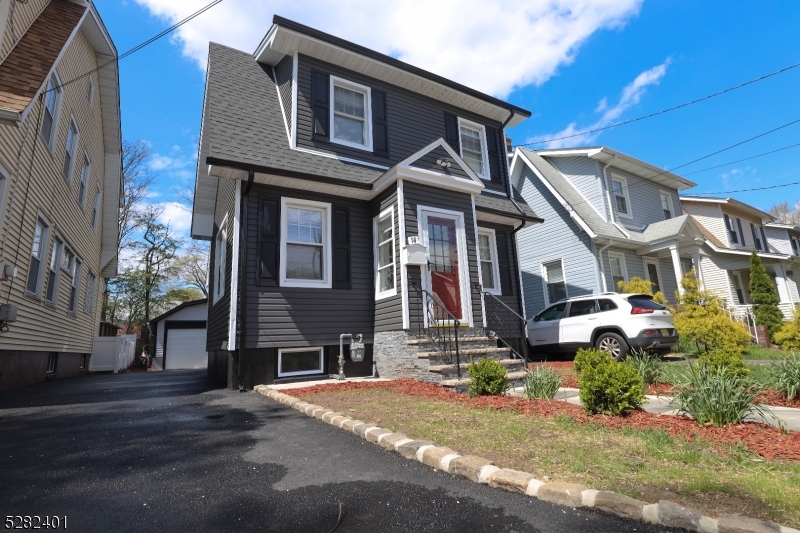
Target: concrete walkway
[[788, 417]]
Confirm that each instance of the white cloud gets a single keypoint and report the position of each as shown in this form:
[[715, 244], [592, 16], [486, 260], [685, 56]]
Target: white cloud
[[630, 96], [490, 46], [176, 216], [159, 162]]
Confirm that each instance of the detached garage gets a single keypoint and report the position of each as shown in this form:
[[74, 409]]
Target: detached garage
[[180, 335]]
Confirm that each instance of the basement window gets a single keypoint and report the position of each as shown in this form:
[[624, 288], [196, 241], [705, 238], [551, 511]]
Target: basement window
[[300, 361]]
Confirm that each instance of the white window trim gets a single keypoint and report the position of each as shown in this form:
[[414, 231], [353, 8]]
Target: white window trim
[[625, 193], [622, 265], [44, 245], [367, 91], [498, 289], [55, 259], [51, 142], [75, 142], [220, 259], [668, 196], [380, 295], [652, 261], [71, 266], [486, 174], [327, 259], [321, 370], [544, 279]]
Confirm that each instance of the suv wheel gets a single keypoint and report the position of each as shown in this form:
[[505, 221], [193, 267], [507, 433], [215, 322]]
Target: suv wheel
[[613, 344]]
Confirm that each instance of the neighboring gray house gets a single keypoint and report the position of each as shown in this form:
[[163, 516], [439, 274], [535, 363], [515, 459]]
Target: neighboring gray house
[[608, 217]]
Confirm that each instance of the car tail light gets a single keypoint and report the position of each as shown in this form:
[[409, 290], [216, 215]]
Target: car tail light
[[649, 332], [641, 311]]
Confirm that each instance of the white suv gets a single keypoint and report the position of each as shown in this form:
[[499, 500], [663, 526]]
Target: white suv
[[610, 322]]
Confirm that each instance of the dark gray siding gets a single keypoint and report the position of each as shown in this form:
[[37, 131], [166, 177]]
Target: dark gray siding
[[512, 298], [415, 195], [219, 312], [295, 316], [428, 162], [414, 121], [389, 311], [283, 79]]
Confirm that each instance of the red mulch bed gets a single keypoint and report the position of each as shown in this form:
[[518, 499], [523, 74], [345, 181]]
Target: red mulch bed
[[761, 439]]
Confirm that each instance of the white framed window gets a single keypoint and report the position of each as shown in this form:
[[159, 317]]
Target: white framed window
[[385, 280], [52, 105], [68, 260], [305, 259], [90, 92], [96, 208], [41, 236], [52, 362], [85, 169], [487, 257], [731, 229], [91, 283], [300, 361], [54, 274], [619, 270], [220, 259], [76, 285], [555, 283], [472, 139], [351, 114], [652, 271], [666, 205], [69, 151], [619, 186]]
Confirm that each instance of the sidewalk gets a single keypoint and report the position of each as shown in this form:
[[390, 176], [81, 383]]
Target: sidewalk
[[789, 417]]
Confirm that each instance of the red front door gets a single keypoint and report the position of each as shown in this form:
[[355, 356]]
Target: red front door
[[443, 257]]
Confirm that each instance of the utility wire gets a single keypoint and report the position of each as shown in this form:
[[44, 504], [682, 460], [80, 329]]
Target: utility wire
[[743, 159], [748, 190], [679, 106]]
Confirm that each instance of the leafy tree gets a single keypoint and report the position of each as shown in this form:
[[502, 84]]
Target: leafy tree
[[640, 286], [764, 297]]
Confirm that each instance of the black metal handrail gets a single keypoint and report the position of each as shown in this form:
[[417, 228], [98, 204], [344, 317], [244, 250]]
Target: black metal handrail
[[504, 324], [439, 325]]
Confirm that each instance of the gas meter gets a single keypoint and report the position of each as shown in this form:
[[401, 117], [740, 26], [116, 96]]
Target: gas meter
[[357, 349]]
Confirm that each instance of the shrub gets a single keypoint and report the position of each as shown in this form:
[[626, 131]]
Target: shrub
[[590, 358], [765, 299], [610, 388], [647, 365], [640, 286], [786, 376], [731, 362], [488, 377], [713, 396], [542, 383], [788, 337]]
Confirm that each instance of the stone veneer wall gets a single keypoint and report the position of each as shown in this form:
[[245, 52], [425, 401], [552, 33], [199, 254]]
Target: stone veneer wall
[[395, 358]]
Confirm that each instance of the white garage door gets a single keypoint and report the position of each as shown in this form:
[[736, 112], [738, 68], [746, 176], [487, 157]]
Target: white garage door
[[186, 349]]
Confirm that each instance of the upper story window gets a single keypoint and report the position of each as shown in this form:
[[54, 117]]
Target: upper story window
[[795, 245], [666, 205], [305, 243], [619, 186], [732, 234], [53, 275], [384, 254], [84, 180], [473, 147], [52, 104], [69, 153], [756, 238], [350, 114], [68, 260], [487, 255]]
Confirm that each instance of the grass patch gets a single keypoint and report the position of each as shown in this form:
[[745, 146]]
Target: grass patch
[[760, 353], [645, 464]]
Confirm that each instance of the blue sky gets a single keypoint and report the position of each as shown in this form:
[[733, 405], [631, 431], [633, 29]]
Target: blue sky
[[573, 63]]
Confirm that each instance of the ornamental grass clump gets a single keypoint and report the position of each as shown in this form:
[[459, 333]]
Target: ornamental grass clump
[[606, 386], [647, 365], [542, 383], [785, 376], [489, 377], [713, 396]]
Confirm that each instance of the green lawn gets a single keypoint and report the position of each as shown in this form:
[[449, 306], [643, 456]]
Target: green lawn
[[759, 353]]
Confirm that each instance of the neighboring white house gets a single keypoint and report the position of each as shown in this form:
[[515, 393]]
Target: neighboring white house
[[180, 335]]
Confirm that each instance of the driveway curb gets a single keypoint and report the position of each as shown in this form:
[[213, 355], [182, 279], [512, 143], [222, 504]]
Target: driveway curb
[[481, 470]]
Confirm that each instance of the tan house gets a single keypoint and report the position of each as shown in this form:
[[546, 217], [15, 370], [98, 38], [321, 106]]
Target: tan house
[[60, 185]]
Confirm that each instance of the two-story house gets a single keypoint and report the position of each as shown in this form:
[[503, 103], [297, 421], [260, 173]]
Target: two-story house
[[60, 171], [347, 192], [608, 217], [734, 229]]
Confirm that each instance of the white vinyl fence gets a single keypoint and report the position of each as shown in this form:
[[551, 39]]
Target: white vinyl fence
[[112, 353]]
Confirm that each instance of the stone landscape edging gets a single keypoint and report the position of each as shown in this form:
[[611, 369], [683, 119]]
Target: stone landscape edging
[[480, 470]]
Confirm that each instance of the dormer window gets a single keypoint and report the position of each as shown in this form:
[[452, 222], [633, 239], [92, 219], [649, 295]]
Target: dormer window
[[473, 147], [666, 205], [620, 187], [731, 230], [350, 114]]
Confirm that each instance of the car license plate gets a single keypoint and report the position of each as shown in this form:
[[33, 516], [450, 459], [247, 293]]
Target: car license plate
[[665, 332]]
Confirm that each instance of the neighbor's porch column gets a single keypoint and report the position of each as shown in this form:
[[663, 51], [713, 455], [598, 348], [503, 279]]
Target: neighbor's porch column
[[780, 281], [696, 258], [676, 265]]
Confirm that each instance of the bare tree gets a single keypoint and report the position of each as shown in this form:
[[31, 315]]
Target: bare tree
[[785, 213], [191, 266], [136, 179]]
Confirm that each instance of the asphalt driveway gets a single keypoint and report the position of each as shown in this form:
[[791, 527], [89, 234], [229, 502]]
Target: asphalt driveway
[[171, 451]]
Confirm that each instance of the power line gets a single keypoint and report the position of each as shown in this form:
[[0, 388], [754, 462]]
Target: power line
[[685, 104], [749, 190], [743, 159]]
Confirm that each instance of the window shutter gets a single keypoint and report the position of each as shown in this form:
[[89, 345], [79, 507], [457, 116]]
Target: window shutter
[[755, 236], [764, 245], [504, 263], [269, 234], [729, 227], [451, 132], [320, 91], [494, 156], [340, 234], [380, 132], [741, 233]]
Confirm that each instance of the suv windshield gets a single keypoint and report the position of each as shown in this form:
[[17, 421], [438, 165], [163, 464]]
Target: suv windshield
[[552, 313], [644, 301]]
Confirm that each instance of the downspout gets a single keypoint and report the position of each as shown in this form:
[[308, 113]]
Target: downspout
[[242, 289], [600, 264]]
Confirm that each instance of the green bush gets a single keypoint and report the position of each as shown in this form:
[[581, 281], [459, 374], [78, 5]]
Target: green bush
[[590, 358], [764, 296], [647, 365], [788, 337], [785, 376], [610, 388], [731, 362], [713, 396], [488, 377], [542, 383]]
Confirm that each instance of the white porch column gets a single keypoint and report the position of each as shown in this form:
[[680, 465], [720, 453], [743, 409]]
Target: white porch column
[[780, 281], [676, 265], [696, 258]]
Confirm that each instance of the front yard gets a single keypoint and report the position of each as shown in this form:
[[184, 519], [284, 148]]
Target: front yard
[[749, 469]]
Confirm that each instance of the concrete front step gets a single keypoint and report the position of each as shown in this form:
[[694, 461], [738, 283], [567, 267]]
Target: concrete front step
[[512, 376], [467, 352], [441, 369], [416, 342]]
